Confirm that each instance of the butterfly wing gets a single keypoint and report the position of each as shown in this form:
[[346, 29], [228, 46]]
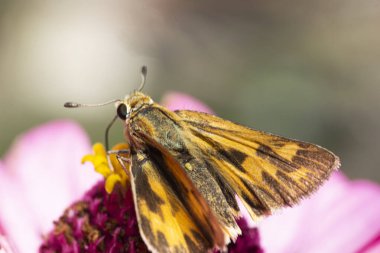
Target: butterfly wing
[[162, 128], [266, 171], [172, 215]]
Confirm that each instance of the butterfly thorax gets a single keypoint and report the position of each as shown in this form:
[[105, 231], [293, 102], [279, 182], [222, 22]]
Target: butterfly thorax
[[151, 119], [136, 101]]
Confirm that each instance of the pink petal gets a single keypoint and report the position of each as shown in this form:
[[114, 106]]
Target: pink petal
[[181, 101], [5, 246], [374, 249], [42, 175], [372, 246], [341, 217], [17, 220]]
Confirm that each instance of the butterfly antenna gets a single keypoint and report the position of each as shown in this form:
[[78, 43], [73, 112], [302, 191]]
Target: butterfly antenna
[[107, 131], [77, 105], [144, 71]]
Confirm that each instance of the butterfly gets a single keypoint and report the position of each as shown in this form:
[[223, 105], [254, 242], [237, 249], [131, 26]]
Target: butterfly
[[188, 168]]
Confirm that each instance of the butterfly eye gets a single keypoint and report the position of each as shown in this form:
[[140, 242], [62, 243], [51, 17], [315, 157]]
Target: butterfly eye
[[122, 111]]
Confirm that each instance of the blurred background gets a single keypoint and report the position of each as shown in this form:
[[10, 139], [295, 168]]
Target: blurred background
[[308, 70]]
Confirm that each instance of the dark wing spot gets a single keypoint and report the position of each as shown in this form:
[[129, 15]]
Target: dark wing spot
[[192, 246], [278, 141], [145, 192], [153, 200], [175, 207], [226, 188], [268, 154], [309, 164], [304, 145], [278, 188], [264, 151], [289, 182], [319, 156], [162, 240], [257, 209], [258, 204], [198, 237], [233, 157], [146, 228], [239, 156]]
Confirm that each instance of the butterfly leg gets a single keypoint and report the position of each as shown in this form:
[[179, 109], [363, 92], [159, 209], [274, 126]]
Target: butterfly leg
[[118, 152], [120, 156], [122, 161]]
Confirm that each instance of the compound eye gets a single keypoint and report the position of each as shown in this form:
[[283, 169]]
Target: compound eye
[[122, 111]]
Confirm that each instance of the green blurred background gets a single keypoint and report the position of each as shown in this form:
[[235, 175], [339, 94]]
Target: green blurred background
[[308, 70]]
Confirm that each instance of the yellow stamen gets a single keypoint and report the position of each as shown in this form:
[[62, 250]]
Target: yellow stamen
[[113, 173], [111, 182]]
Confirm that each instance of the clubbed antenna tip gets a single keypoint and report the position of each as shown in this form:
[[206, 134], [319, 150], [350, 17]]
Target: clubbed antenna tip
[[71, 105], [144, 70]]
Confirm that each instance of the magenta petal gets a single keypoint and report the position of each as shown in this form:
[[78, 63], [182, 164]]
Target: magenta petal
[[341, 217], [181, 101], [42, 176]]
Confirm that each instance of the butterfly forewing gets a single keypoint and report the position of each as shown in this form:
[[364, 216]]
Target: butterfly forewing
[[266, 171], [173, 216]]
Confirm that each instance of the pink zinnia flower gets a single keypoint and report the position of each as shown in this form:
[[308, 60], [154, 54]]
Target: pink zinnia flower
[[41, 176]]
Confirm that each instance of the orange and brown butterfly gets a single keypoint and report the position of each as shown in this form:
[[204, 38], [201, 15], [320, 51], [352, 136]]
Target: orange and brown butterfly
[[187, 169]]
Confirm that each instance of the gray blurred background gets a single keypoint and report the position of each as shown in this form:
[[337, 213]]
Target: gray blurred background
[[308, 70]]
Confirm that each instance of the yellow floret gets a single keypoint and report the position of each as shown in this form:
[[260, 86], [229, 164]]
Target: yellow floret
[[113, 172]]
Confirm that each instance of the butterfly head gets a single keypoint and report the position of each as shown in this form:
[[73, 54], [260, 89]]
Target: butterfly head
[[131, 104]]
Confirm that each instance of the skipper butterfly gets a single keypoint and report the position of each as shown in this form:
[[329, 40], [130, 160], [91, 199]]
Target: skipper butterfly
[[186, 169]]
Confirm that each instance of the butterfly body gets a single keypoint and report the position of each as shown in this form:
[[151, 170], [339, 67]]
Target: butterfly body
[[187, 168]]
